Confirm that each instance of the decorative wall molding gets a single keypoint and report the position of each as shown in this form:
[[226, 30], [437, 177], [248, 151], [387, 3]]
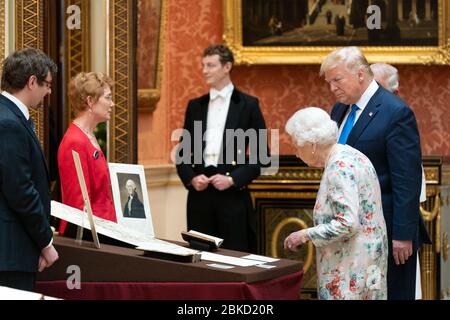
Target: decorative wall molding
[[161, 175], [122, 130], [30, 34], [148, 97], [2, 27], [77, 49]]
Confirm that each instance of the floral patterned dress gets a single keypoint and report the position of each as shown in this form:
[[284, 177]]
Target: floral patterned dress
[[349, 229]]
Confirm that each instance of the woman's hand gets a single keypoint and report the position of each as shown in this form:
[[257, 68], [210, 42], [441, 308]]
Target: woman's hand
[[295, 239]]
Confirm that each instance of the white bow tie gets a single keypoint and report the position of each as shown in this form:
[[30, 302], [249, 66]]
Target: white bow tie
[[213, 94]]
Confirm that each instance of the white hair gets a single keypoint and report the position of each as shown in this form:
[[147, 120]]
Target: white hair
[[312, 125], [384, 71], [352, 58], [130, 183]]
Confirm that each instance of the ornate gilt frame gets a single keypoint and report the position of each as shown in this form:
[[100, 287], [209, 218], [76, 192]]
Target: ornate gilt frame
[[149, 97], [30, 34], [122, 134], [233, 35], [77, 45], [2, 27]]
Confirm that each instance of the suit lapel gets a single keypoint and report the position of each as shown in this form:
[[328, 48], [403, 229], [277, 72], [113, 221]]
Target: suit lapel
[[31, 131], [14, 109], [366, 117], [234, 112], [340, 115], [38, 144], [203, 117]]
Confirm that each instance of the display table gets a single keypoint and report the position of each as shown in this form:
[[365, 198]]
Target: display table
[[121, 273]]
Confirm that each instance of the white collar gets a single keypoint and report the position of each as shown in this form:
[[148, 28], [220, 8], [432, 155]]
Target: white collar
[[22, 107], [213, 93], [367, 95]]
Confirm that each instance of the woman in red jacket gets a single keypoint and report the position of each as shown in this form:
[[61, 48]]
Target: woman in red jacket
[[91, 101]]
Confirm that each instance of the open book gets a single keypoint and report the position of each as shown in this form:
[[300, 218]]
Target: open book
[[201, 241]]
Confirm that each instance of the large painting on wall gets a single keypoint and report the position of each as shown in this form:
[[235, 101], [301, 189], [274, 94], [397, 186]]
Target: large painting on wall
[[304, 31]]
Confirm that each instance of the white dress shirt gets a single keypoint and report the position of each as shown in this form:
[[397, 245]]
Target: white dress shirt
[[18, 103], [361, 103], [219, 103]]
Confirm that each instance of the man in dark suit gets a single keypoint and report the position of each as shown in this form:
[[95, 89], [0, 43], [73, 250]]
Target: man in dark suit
[[211, 161], [386, 76], [133, 207], [383, 127], [25, 234]]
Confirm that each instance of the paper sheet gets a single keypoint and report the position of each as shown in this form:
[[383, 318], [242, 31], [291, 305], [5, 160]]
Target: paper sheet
[[208, 256], [260, 258], [116, 231], [219, 266]]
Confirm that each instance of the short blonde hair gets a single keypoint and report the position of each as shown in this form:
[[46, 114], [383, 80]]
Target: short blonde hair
[[312, 125], [86, 84], [352, 58]]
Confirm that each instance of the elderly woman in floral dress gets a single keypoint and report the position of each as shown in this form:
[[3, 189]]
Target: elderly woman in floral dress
[[349, 230]]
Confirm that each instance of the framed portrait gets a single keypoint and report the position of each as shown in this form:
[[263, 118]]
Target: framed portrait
[[130, 196], [305, 31]]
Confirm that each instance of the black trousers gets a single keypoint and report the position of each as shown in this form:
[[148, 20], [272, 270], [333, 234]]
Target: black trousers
[[225, 214], [18, 280], [401, 279]]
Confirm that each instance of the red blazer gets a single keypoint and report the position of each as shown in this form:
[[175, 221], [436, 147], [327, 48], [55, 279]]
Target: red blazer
[[96, 174]]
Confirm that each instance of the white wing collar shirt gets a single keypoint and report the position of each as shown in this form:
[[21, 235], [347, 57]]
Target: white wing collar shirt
[[361, 103], [219, 103]]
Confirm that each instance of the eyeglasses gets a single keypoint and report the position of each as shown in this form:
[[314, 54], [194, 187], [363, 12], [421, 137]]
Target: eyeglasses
[[48, 84]]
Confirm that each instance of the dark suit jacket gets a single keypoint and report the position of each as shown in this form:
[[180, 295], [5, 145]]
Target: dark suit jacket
[[24, 192], [137, 208], [244, 113], [386, 132]]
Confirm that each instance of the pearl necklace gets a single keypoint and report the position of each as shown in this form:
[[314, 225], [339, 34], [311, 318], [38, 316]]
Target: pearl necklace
[[90, 135]]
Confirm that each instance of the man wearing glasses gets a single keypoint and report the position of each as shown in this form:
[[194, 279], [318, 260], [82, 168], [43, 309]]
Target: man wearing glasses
[[26, 242]]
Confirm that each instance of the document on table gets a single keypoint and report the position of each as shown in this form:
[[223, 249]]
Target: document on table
[[118, 232], [208, 256], [259, 258], [219, 266]]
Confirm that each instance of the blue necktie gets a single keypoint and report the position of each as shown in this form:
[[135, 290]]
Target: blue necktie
[[348, 125]]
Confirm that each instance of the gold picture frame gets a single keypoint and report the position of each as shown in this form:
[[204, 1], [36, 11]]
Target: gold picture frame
[[304, 54], [149, 91]]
